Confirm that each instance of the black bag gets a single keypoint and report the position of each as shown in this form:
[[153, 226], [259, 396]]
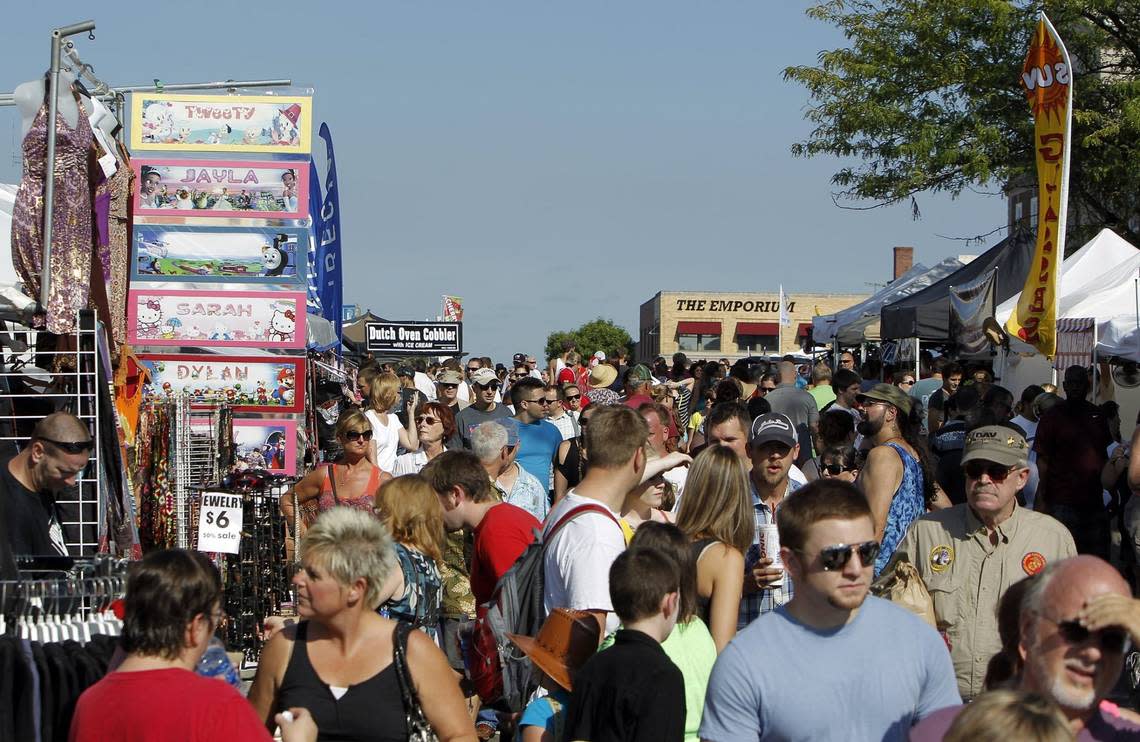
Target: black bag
[[419, 730]]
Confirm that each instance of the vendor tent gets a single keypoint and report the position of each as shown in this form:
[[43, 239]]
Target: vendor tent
[[926, 314], [860, 323], [355, 333]]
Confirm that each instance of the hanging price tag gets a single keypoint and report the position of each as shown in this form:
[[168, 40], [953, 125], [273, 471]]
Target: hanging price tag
[[219, 522]]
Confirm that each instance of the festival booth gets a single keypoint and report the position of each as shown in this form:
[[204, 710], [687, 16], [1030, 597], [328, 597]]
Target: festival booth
[[1097, 319], [860, 323], [208, 262], [926, 314]]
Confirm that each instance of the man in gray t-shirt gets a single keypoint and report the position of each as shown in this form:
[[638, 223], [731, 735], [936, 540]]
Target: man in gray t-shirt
[[799, 406], [833, 663], [485, 385]]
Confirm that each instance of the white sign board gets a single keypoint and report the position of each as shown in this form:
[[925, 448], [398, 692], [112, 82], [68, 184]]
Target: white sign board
[[219, 522]]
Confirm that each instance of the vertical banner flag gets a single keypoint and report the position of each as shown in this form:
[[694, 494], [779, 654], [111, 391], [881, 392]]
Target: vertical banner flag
[[785, 317], [1048, 84], [329, 271], [452, 308], [313, 300]]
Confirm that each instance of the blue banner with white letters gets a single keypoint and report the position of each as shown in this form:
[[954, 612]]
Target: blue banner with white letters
[[313, 305], [329, 273]]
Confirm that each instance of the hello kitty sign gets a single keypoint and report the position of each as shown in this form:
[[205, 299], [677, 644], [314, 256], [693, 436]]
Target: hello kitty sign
[[221, 123], [232, 319]]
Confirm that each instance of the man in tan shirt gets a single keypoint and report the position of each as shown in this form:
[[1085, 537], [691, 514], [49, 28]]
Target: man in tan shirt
[[969, 554]]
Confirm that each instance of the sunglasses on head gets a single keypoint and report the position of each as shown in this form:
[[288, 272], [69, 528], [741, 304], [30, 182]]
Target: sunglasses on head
[[998, 473], [1110, 640], [836, 469], [836, 557], [358, 435], [71, 446]]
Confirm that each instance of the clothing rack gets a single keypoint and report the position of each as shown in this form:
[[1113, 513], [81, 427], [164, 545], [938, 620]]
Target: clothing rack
[[52, 603]]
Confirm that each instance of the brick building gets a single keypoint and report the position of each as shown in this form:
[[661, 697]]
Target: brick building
[[713, 324]]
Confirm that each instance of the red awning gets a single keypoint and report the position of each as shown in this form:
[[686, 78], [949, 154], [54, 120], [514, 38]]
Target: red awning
[[757, 328], [805, 330], [698, 328]]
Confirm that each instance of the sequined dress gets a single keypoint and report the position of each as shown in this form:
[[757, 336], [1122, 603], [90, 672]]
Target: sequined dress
[[70, 268]]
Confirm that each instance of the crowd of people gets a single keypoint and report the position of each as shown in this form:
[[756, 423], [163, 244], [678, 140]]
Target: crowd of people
[[755, 550]]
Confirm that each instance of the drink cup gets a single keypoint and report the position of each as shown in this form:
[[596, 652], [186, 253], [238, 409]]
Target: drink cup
[[770, 547]]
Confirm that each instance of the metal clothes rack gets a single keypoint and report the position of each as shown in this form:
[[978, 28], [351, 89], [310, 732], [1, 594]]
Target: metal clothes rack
[[75, 589], [198, 460]]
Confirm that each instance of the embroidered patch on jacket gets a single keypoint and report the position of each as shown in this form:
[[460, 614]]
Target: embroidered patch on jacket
[[1033, 562], [941, 557]]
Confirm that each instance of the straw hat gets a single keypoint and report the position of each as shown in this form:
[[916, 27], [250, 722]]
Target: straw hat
[[602, 375], [566, 640]]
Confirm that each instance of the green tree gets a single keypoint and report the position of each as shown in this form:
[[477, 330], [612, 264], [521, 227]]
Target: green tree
[[926, 98], [600, 334]]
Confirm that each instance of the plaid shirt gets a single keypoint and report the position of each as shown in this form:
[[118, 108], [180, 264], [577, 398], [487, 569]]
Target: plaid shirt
[[754, 605]]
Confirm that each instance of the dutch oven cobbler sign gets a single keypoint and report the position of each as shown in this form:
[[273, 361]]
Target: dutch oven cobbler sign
[[415, 337]]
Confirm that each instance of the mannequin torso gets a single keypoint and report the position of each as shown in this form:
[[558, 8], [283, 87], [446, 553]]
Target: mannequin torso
[[29, 97]]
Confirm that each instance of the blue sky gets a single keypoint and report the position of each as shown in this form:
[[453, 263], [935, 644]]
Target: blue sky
[[551, 163]]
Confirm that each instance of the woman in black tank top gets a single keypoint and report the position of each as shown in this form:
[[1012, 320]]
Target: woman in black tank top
[[338, 662], [716, 513]]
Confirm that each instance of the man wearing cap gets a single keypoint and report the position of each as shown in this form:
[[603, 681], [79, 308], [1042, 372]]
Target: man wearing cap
[[601, 378], [892, 479], [637, 382], [772, 448], [969, 555], [485, 386], [447, 389]]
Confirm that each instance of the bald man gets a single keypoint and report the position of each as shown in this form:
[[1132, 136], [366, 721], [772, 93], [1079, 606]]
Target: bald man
[[1078, 620], [799, 406], [53, 459]]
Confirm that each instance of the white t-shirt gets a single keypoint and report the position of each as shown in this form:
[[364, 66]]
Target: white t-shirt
[[409, 463], [565, 425], [385, 439], [425, 386], [577, 562], [796, 475]]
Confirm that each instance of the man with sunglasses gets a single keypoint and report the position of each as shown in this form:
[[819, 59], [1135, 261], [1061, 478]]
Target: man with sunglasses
[[485, 387], [832, 663], [969, 555], [52, 461], [1077, 622], [538, 437]]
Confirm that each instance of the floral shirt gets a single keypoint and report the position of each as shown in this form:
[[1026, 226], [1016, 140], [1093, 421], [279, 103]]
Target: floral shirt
[[419, 603]]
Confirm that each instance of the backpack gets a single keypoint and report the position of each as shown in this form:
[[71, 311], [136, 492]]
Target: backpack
[[499, 670]]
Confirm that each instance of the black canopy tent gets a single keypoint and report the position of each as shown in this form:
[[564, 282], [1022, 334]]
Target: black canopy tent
[[926, 314]]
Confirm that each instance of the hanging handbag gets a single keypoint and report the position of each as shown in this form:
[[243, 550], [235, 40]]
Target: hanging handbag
[[419, 730]]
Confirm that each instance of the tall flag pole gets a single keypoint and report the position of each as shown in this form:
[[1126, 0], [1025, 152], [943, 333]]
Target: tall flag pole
[[330, 274], [1047, 80]]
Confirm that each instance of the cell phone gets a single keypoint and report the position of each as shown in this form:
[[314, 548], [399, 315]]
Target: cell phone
[[406, 395]]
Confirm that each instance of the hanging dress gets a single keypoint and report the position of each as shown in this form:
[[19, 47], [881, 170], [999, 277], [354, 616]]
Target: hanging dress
[[70, 269]]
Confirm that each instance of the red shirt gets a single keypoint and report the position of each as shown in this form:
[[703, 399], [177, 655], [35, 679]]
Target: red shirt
[[161, 705], [502, 536]]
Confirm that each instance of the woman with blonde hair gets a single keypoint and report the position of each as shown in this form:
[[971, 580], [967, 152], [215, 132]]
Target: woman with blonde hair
[[340, 662], [387, 432], [410, 510], [1000, 715], [716, 515], [351, 481]]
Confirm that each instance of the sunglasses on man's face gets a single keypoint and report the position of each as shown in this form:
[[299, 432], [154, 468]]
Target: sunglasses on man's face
[[541, 400], [997, 473], [484, 387], [472, 369], [836, 557], [358, 435], [573, 397], [71, 446], [1109, 640]]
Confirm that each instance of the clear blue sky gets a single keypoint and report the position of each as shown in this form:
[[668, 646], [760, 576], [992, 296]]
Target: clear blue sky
[[549, 162]]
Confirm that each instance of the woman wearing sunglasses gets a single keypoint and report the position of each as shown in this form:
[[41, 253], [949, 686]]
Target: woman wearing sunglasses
[[436, 430], [839, 462], [352, 481]]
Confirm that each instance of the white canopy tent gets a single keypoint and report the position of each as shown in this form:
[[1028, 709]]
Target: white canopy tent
[[860, 323], [1097, 281]]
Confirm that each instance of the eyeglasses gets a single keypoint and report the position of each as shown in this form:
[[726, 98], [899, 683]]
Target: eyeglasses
[[836, 469], [448, 386], [493, 385], [358, 435], [472, 369], [71, 446], [541, 400], [1110, 640], [998, 473], [573, 397], [426, 419], [836, 557], [766, 389], [906, 382]]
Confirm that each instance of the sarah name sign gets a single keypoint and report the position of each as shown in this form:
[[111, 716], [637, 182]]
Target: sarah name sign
[[233, 319]]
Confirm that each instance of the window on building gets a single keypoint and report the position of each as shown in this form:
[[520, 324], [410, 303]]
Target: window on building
[[691, 342], [758, 343]]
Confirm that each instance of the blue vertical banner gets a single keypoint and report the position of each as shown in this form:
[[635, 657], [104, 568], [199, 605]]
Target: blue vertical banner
[[313, 303], [329, 272]]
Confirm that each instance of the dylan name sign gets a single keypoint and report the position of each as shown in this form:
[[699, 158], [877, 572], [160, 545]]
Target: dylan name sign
[[415, 337]]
